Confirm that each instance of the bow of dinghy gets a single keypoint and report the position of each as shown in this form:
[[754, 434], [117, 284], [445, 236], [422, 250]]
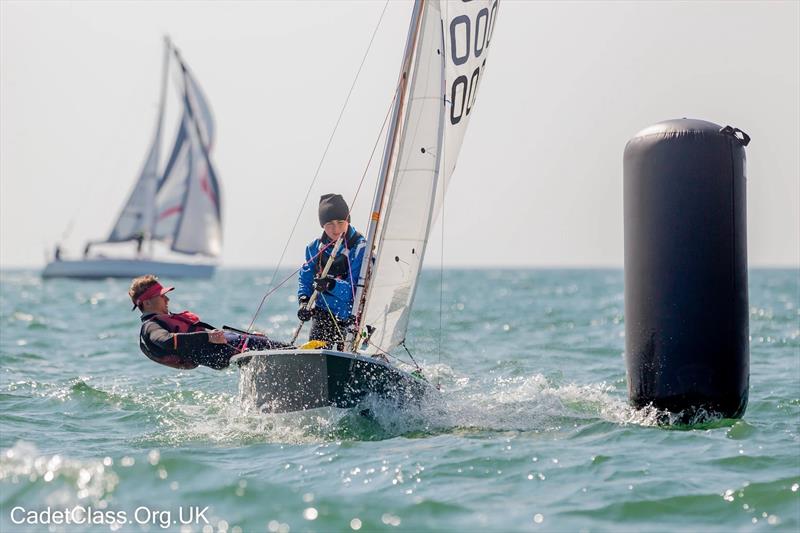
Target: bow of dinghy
[[280, 381]]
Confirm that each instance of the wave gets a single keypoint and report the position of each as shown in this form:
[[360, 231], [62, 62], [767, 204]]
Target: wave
[[64, 481]]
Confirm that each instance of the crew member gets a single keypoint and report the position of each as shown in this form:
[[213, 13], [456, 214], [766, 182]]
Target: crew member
[[333, 307], [139, 238], [182, 340]]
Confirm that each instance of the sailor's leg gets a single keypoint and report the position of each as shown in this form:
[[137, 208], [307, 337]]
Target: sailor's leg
[[323, 328], [233, 339], [262, 342], [254, 342], [216, 356]]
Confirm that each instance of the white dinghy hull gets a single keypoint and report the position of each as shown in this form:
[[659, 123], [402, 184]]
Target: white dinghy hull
[[125, 268], [281, 381]]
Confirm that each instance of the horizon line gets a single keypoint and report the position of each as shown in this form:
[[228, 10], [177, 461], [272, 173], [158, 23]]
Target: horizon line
[[465, 266]]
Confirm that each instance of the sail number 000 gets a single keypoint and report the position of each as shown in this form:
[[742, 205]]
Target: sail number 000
[[468, 39]]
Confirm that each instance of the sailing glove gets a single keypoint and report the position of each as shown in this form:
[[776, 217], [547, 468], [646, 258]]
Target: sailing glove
[[325, 284], [303, 314]]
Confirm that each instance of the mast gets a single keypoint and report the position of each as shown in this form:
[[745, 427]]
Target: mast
[[388, 157], [151, 185]]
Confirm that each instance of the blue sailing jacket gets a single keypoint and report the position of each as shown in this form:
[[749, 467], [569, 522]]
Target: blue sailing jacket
[[346, 268]]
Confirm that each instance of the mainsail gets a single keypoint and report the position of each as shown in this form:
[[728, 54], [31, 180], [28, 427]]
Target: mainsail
[[199, 229], [180, 205], [445, 59]]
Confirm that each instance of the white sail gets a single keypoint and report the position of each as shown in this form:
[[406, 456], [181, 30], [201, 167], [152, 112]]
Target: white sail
[[430, 127], [136, 219], [200, 227], [173, 186], [468, 28], [201, 110], [181, 205]]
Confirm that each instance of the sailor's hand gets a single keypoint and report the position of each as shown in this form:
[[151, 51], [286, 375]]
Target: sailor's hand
[[304, 314], [216, 336], [325, 284]]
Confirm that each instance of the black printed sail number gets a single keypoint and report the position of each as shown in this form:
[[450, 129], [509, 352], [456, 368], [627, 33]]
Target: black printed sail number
[[469, 38]]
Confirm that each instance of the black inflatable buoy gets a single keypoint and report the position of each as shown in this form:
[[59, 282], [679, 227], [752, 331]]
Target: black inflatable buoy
[[686, 312]]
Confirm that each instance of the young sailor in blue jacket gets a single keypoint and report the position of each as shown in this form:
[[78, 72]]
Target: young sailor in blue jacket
[[333, 308], [182, 340]]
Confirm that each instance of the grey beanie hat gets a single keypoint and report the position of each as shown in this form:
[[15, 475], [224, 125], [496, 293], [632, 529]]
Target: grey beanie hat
[[332, 207]]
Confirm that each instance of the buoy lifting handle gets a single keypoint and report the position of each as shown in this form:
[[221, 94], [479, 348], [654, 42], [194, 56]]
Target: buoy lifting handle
[[736, 133]]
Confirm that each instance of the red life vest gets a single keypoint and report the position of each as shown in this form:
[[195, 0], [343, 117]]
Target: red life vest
[[185, 322]]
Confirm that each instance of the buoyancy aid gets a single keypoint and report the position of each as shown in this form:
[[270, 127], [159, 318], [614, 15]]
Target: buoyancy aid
[[341, 263], [185, 322]]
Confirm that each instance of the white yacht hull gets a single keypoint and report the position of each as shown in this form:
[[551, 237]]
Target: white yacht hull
[[125, 268]]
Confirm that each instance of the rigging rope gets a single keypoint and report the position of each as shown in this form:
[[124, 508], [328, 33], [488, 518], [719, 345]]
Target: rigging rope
[[333, 318], [441, 299], [384, 352], [327, 146], [441, 282], [360, 183], [403, 344], [279, 285]]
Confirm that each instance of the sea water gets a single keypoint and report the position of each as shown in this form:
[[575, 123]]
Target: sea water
[[532, 431]]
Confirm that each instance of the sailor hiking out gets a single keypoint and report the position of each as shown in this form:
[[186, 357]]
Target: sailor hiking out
[[332, 311], [182, 340]]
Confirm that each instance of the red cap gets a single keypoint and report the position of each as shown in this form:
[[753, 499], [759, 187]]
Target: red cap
[[155, 290]]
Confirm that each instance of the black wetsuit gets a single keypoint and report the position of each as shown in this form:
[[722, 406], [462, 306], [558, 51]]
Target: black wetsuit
[[325, 327], [193, 348]]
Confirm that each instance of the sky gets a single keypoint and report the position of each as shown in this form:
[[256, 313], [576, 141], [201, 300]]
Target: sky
[[539, 177]]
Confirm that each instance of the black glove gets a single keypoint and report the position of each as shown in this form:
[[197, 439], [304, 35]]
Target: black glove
[[303, 314], [325, 284]]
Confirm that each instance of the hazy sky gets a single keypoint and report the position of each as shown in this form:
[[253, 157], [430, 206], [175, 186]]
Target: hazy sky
[[539, 179]]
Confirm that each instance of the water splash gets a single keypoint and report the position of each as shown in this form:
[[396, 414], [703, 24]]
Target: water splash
[[70, 481]]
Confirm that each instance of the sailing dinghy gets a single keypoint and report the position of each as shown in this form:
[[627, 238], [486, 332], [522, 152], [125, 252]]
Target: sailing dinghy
[[174, 210], [444, 60]]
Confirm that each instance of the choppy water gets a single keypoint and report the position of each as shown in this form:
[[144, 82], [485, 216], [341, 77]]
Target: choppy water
[[533, 432]]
